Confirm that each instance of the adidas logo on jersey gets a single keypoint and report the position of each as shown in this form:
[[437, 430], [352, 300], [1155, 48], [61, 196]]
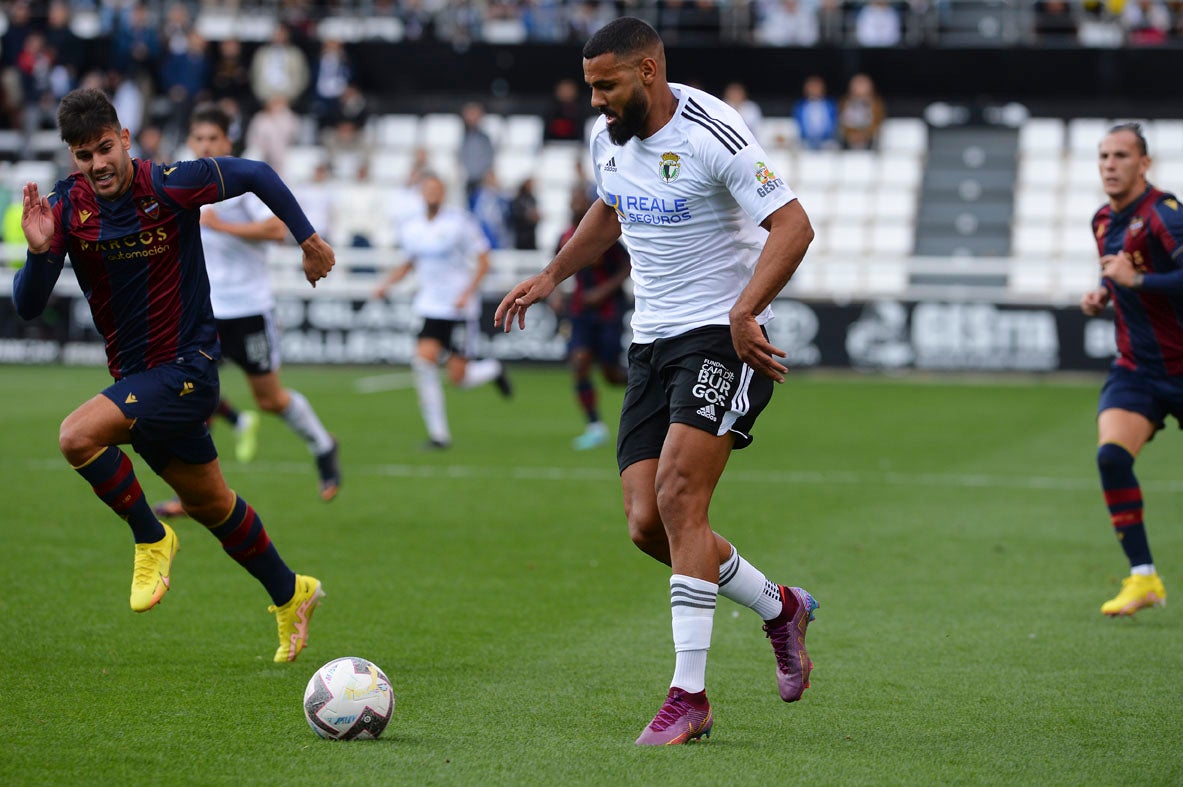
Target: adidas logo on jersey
[[611, 165], [708, 412]]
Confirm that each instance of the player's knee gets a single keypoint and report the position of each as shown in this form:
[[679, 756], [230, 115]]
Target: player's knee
[[207, 510], [673, 495], [1113, 457], [272, 402], [75, 442]]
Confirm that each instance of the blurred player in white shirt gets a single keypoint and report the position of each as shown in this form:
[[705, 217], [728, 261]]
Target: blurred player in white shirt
[[450, 256]]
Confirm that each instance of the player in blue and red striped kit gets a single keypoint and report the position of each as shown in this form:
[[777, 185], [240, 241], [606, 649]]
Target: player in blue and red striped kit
[[131, 229], [1139, 236]]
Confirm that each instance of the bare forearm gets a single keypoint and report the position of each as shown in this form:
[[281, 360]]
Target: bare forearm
[[789, 237], [596, 233]]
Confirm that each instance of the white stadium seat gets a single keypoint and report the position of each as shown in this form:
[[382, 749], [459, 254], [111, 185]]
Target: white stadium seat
[[1084, 134], [441, 131], [894, 203], [892, 238], [396, 131], [903, 135], [900, 169], [1040, 170], [852, 204], [817, 168], [1035, 203], [1042, 136], [779, 133], [1036, 240], [857, 168], [522, 132]]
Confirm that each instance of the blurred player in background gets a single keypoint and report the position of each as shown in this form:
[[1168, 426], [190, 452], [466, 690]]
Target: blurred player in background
[[595, 312], [131, 230], [235, 236], [1139, 235], [687, 186], [441, 246]]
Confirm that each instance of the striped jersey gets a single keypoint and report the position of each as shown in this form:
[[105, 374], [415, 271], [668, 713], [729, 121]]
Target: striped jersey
[[139, 261], [1149, 323], [690, 199], [606, 267]]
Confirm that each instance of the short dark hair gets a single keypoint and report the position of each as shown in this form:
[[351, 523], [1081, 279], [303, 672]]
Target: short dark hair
[[84, 114], [624, 36], [212, 114], [1134, 128]]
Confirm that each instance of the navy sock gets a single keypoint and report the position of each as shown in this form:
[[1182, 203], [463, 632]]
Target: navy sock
[[114, 480], [1123, 496], [227, 411], [244, 539], [586, 393]]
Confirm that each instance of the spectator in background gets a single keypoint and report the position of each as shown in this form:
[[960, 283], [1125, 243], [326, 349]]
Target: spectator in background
[[149, 145], [736, 95], [66, 47], [816, 115], [279, 69], [12, 43], [1147, 22], [544, 21], [689, 22], [565, 117], [524, 216], [135, 43], [588, 16], [1054, 20], [860, 114], [787, 23], [184, 79], [476, 149], [229, 77], [877, 24], [35, 64], [490, 206], [128, 98], [333, 75], [272, 131]]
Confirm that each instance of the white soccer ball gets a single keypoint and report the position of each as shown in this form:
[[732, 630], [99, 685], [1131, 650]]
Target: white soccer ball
[[348, 698]]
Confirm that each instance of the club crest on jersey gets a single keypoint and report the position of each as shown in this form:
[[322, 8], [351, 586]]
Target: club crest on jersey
[[150, 206], [669, 167], [1135, 225]]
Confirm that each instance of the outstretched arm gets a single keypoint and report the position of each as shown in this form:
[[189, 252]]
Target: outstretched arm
[[789, 235], [598, 230], [34, 282]]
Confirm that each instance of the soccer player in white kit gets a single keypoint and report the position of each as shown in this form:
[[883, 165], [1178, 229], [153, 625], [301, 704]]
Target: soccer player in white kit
[[235, 237], [441, 246], [714, 235]]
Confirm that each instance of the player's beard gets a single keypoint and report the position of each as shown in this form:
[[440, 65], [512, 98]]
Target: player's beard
[[631, 118]]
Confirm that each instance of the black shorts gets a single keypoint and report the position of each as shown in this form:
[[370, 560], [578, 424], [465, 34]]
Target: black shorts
[[694, 379], [454, 335], [251, 342], [170, 405]]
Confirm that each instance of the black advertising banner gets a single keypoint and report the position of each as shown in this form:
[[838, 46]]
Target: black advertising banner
[[875, 335]]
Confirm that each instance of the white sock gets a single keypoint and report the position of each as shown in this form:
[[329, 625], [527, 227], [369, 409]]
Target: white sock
[[300, 416], [480, 372], [692, 607], [431, 399], [1145, 570], [744, 584]]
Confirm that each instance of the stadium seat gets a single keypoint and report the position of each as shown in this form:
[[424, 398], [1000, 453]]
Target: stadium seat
[[842, 273], [1084, 134], [558, 162], [510, 30], [1035, 203], [779, 133], [522, 133], [301, 161], [549, 231], [1079, 205], [1041, 170], [817, 203], [900, 170], [903, 135], [43, 173], [857, 169], [1041, 136], [1167, 173], [396, 131], [1032, 276], [817, 168], [441, 131], [1081, 171], [892, 238], [1073, 239], [849, 239], [391, 166], [852, 204], [494, 126], [886, 276], [514, 166], [1033, 239], [895, 204], [1165, 137]]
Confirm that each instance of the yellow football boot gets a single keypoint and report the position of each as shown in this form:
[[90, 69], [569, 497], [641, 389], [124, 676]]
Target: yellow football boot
[[294, 616], [1137, 591], [154, 562]]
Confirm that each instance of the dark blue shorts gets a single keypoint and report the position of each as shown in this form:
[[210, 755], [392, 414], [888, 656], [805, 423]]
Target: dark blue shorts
[[601, 337], [170, 405], [1152, 397]]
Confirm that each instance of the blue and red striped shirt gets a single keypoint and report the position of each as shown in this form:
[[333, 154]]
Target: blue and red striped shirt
[[1149, 319], [609, 265], [138, 258]]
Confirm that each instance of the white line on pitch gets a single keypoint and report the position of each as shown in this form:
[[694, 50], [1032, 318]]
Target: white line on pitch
[[395, 381]]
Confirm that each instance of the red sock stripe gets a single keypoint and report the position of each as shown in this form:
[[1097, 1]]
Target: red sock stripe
[[256, 548], [127, 499], [240, 533], [120, 475], [1126, 518], [1117, 497]]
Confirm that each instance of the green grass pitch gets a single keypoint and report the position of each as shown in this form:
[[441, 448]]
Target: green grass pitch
[[952, 530]]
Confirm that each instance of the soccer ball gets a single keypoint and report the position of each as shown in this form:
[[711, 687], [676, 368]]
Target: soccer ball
[[348, 698]]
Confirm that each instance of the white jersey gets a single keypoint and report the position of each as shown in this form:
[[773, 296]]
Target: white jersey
[[690, 200], [443, 251], [238, 283]]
